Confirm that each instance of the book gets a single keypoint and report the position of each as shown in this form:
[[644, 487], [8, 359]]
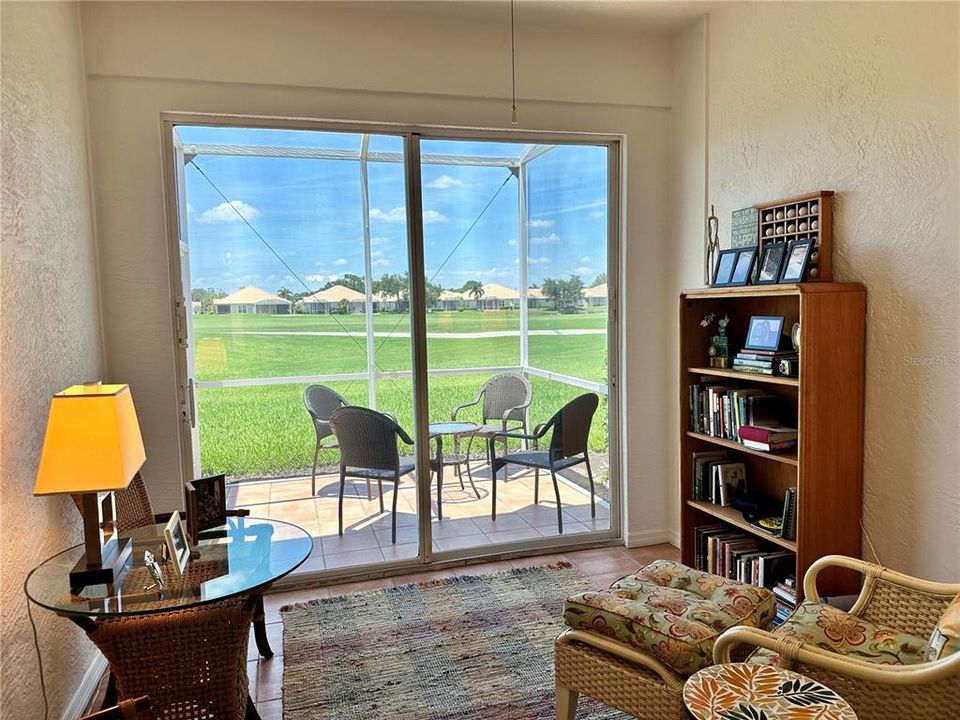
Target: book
[[767, 433], [701, 463], [789, 521], [770, 447], [732, 480]]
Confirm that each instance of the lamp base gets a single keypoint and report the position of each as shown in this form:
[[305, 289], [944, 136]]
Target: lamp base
[[110, 571]]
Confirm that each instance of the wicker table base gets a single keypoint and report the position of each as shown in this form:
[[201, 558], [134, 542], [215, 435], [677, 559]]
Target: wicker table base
[[616, 675]]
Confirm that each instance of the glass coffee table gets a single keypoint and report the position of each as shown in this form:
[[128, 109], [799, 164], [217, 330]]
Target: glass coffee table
[[450, 429]]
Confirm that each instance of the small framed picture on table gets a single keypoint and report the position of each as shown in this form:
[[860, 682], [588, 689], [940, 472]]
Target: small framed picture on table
[[770, 263], [726, 262], [206, 501], [743, 269], [795, 265], [175, 540]]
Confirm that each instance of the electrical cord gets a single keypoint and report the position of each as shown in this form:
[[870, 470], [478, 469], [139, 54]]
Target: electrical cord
[[36, 645]]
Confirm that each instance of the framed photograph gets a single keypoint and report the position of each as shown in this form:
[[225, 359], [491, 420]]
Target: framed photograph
[[764, 333], [206, 500], [175, 539], [726, 262], [770, 263], [795, 264], [743, 267]]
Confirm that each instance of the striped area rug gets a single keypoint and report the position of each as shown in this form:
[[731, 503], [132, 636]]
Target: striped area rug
[[466, 648]]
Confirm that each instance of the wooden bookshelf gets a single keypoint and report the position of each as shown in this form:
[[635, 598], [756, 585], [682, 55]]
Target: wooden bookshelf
[[825, 402]]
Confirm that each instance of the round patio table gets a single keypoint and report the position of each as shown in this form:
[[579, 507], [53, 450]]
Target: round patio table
[[752, 692], [437, 432]]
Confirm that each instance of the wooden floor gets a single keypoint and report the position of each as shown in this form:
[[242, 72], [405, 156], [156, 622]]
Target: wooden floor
[[266, 676]]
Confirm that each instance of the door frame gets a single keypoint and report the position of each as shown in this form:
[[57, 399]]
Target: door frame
[[412, 134]]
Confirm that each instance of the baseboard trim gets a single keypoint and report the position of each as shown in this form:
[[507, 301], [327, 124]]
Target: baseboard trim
[[646, 537], [80, 702]]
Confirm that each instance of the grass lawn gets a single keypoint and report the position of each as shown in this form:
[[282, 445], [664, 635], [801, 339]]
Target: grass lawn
[[265, 430]]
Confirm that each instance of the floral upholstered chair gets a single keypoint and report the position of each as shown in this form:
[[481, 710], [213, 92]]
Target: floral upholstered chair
[[893, 655]]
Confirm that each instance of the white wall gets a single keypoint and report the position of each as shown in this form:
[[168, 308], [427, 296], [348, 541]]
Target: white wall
[[362, 63], [49, 319], [861, 98]]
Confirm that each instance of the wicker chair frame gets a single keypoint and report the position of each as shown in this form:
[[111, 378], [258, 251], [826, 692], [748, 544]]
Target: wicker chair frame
[[368, 450], [568, 447], [876, 692], [320, 402], [191, 662], [136, 709]]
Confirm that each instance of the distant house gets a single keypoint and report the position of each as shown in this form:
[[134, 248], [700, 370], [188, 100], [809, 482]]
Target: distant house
[[596, 296], [323, 301], [196, 306], [452, 300], [536, 299], [252, 300], [498, 297]]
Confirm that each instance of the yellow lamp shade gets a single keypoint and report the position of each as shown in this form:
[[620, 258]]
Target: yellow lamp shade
[[93, 441]]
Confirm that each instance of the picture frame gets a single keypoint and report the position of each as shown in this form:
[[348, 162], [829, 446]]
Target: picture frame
[[743, 267], [765, 332], [771, 263], [175, 540], [796, 260], [206, 503], [726, 262]]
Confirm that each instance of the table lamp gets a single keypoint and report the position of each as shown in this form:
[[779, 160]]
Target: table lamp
[[92, 448]]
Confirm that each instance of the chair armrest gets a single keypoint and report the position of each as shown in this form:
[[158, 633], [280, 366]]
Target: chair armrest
[[509, 411], [403, 435], [624, 652], [162, 518], [871, 571], [458, 408], [516, 435], [238, 512], [845, 665]]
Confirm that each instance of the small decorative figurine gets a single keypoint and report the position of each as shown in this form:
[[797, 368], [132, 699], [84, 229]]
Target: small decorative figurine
[[150, 561], [719, 349], [713, 244]]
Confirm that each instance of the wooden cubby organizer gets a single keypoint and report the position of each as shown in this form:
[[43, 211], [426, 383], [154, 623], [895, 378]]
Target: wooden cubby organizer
[[826, 401], [803, 217]]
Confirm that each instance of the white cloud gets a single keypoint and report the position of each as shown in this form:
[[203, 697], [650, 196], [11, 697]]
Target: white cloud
[[380, 263], [541, 223], [551, 239], [496, 273], [444, 182], [585, 259], [512, 241], [189, 208], [339, 261], [538, 261], [583, 270], [399, 215], [597, 214], [321, 278], [374, 241], [432, 216], [227, 256], [229, 212]]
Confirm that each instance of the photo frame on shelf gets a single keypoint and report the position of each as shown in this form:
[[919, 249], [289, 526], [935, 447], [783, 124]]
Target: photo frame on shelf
[[795, 262], [771, 263], [764, 333], [206, 502], [175, 540], [743, 267], [726, 263]]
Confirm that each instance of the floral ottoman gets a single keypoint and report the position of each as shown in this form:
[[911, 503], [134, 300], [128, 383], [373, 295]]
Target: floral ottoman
[[633, 645]]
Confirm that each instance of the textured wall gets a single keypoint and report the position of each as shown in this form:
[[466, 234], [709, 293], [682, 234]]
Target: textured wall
[[862, 98], [50, 325], [151, 58]]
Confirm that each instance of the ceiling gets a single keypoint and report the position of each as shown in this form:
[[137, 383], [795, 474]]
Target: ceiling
[[641, 16]]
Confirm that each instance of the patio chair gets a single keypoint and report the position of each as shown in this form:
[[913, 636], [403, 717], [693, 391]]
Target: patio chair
[[568, 447], [368, 450], [506, 398], [320, 401]]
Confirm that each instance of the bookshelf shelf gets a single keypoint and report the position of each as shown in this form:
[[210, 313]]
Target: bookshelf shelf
[[735, 518], [825, 402], [751, 377], [786, 458]]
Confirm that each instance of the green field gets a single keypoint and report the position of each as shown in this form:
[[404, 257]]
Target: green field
[[265, 430]]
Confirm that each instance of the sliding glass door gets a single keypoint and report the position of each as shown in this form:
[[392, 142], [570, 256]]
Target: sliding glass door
[[306, 284]]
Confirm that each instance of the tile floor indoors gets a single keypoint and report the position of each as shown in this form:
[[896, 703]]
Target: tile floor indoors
[[601, 566], [466, 519]]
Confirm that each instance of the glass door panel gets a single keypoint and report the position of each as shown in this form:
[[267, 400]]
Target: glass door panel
[[290, 236]]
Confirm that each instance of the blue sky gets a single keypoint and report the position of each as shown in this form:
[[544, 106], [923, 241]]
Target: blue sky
[[309, 210]]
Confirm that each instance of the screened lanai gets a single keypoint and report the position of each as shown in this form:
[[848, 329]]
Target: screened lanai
[[515, 240]]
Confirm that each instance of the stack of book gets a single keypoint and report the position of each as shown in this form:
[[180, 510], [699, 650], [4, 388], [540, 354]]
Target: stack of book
[[763, 362], [720, 410], [717, 479], [723, 551], [768, 438], [785, 594]]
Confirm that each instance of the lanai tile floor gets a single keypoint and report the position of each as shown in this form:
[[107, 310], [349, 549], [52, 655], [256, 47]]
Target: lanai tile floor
[[466, 520]]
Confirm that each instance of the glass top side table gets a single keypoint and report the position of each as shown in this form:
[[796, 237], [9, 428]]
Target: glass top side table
[[437, 432]]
